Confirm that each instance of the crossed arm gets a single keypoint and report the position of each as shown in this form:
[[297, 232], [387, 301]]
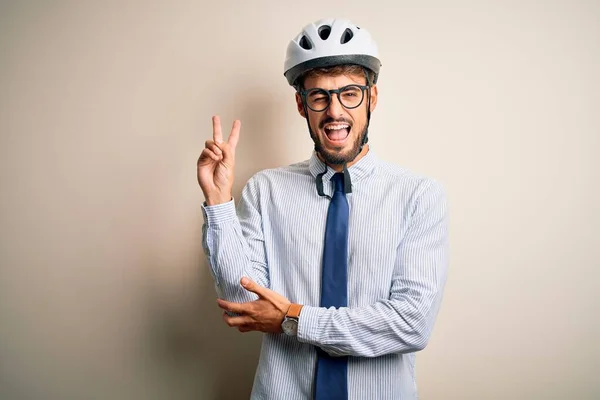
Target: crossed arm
[[399, 324]]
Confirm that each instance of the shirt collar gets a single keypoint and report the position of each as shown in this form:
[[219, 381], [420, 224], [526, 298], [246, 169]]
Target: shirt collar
[[358, 171]]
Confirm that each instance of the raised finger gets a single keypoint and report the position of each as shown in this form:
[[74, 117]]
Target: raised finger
[[234, 136], [217, 134]]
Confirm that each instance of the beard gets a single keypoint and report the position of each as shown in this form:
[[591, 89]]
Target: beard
[[339, 158]]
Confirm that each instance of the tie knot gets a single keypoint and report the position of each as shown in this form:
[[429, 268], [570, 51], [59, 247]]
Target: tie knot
[[338, 182]]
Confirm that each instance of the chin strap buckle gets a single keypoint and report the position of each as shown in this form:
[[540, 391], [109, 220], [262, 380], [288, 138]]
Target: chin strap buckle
[[347, 182]]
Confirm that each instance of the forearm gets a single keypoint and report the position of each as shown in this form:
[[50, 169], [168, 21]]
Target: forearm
[[229, 256], [388, 326], [403, 322]]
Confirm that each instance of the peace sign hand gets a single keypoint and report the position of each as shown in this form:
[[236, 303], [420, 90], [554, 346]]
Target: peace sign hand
[[216, 164]]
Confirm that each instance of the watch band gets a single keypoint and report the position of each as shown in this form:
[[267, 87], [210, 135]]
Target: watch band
[[294, 311]]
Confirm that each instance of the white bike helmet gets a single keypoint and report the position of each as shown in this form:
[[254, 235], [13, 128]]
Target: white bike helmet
[[327, 43]]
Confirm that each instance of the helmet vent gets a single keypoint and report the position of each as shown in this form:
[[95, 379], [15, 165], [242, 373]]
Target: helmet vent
[[305, 43], [324, 32], [346, 36]]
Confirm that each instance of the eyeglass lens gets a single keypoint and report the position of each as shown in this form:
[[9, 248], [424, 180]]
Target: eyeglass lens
[[349, 96]]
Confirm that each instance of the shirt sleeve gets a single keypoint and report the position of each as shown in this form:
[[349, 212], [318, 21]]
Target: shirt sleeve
[[233, 242], [403, 322]]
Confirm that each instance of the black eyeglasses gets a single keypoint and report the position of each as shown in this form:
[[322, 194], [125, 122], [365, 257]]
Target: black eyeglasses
[[350, 96]]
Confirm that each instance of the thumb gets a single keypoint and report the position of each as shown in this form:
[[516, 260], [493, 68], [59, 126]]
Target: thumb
[[252, 286]]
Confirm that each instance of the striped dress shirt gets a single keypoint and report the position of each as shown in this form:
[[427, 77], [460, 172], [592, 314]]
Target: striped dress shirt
[[397, 267]]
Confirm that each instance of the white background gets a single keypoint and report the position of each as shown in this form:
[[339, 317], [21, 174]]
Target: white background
[[105, 107]]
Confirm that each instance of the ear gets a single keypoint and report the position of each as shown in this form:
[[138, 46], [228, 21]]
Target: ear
[[300, 105], [374, 93]]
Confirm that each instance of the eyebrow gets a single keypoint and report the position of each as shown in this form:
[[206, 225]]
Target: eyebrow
[[316, 91]]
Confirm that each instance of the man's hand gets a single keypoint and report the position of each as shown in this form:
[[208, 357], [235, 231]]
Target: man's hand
[[216, 164], [265, 314]]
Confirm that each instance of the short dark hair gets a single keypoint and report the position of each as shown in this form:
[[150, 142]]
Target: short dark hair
[[345, 69]]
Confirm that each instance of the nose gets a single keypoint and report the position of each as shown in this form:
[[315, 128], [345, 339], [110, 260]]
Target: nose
[[335, 108]]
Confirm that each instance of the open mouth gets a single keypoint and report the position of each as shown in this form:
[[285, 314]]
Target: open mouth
[[337, 132]]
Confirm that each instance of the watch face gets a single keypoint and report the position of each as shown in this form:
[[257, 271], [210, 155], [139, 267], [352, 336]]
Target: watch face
[[290, 326]]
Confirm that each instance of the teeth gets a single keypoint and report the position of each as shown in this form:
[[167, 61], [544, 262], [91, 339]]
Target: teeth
[[336, 127]]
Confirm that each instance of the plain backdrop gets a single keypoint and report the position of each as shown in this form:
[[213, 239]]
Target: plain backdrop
[[105, 107]]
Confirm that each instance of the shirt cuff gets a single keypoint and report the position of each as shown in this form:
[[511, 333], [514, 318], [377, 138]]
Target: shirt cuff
[[308, 325], [219, 213]]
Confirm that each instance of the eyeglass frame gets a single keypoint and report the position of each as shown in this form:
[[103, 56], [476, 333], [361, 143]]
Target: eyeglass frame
[[337, 91]]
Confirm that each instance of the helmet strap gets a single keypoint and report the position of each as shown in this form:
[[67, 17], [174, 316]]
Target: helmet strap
[[366, 137]]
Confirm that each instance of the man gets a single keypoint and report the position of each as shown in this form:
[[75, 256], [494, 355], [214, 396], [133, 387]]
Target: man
[[341, 259]]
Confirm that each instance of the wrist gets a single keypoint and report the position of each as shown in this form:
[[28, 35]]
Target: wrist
[[291, 319], [294, 310], [216, 200]]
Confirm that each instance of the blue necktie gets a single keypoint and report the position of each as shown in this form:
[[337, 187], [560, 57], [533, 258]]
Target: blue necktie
[[332, 372]]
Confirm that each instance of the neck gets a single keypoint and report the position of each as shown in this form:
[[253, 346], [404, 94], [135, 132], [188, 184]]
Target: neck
[[340, 167]]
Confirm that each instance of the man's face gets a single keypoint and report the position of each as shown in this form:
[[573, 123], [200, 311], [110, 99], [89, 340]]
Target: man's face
[[338, 131]]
